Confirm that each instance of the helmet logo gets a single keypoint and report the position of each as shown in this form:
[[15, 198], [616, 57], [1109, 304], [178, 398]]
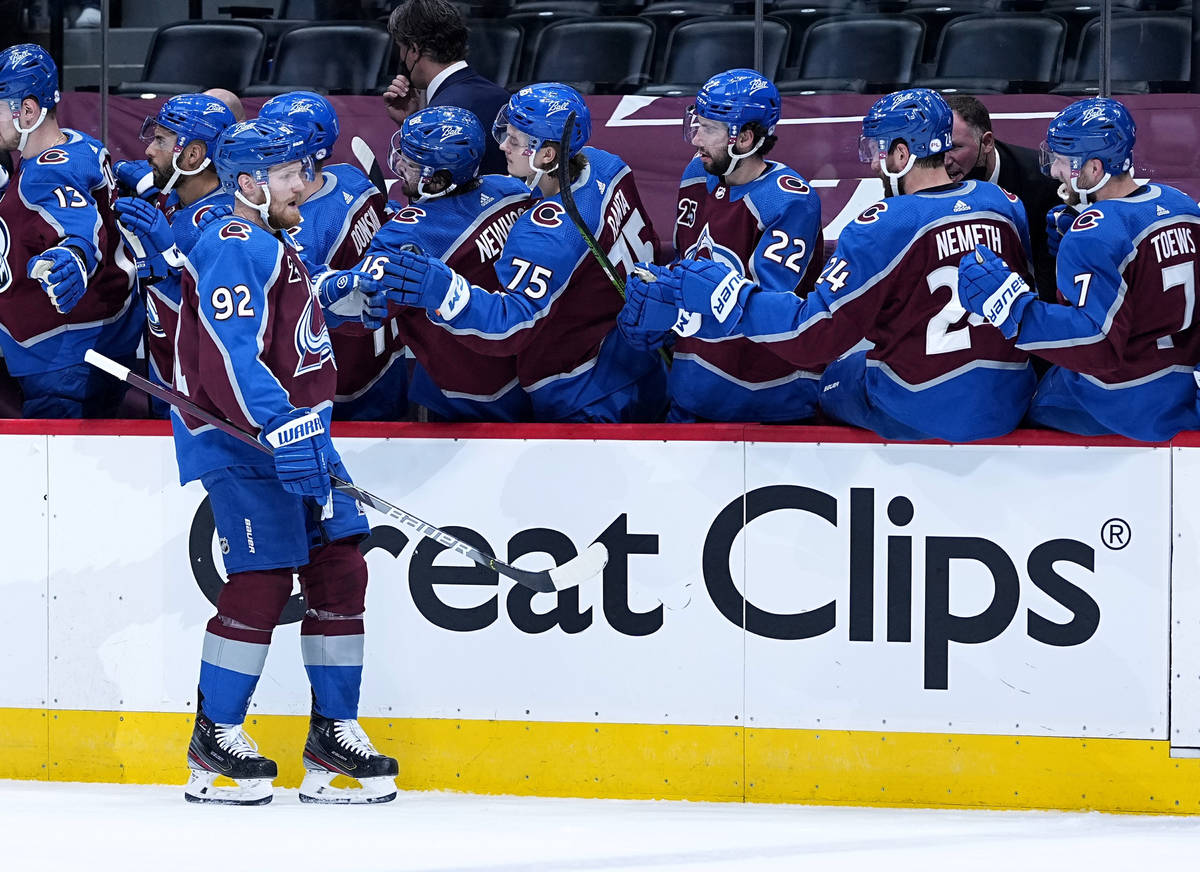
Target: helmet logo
[[757, 85], [449, 130], [1092, 113], [557, 106]]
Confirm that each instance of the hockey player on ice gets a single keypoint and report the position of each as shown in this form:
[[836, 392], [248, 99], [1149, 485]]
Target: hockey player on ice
[[181, 138], [551, 304], [66, 283], [253, 348], [1126, 344], [757, 216], [340, 212], [930, 373], [463, 219]]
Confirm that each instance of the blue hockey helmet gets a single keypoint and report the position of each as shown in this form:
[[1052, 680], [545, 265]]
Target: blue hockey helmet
[[191, 116], [919, 116], [27, 70], [736, 97], [253, 147], [307, 110], [1097, 127], [540, 111], [440, 138]]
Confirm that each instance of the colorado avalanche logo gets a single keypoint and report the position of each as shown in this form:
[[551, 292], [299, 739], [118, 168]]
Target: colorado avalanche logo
[[1087, 220], [5, 242], [409, 215], [1012, 197], [313, 346], [547, 215], [198, 214], [153, 322], [871, 214], [793, 185], [53, 156], [705, 247], [235, 230]]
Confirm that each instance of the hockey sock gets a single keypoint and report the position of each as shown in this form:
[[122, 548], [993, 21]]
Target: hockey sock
[[236, 641], [331, 634]]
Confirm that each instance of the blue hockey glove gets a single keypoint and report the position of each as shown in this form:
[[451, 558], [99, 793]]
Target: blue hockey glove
[[208, 216], [987, 287], [136, 177], [343, 294], [650, 311], [62, 275], [375, 306], [1058, 222], [303, 453], [426, 283], [145, 222], [712, 288]]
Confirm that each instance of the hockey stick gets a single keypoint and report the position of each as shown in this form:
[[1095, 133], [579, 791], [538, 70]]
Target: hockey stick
[[573, 572], [365, 156]]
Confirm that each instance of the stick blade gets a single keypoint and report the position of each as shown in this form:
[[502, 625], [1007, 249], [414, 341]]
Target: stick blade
[[98, 360], [579, 569]]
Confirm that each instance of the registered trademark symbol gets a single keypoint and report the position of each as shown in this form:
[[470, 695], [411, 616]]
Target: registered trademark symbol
[[1115, 534]]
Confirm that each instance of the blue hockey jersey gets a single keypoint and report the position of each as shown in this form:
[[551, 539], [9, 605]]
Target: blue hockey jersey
[[554, 309], [467, 231], [893, 281], [769, 230], [252, 343], [337, 224], [1126, 343], [65, 195]]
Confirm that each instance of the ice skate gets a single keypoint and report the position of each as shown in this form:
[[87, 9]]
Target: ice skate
[[225, 749], [342, 748]]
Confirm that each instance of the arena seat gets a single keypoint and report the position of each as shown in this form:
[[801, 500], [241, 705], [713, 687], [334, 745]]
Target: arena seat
[[1009, 51], [1150, 52], [666, 15], [193, 56], [494, 49], [332, 58], [846, 53], [533, 21], [596, 55], [698, 49]]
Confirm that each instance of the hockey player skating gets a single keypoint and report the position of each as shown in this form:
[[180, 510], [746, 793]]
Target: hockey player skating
[[758, 217], [66, 283], [253, 348], [930, 373], [180, 140], [1126, 345], [340, 212], [552, 306], [462, 219]]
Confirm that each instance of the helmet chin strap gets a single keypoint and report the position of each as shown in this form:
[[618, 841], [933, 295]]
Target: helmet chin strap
[[263, 209], [735, 159], [180, 171], [16, 114], [894, 178], [424, 195], [1084, 192]]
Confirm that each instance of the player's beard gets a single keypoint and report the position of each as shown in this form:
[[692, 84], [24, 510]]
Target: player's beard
[[282, 215], [161, 176], [718, 164]]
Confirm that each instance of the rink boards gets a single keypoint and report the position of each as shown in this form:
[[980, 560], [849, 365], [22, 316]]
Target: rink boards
[[789, 614]]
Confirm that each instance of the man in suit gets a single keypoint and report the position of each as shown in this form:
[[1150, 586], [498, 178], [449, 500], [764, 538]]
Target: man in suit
[[977, 154], [432, 41]]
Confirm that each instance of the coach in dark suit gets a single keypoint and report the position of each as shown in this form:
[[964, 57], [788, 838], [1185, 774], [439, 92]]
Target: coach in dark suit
[[432, 41], [977, 154]]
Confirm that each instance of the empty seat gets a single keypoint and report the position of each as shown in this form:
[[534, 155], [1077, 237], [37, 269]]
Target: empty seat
[[319, 10], [605, 55], [938, 13], [494, 49], [188, 57], [666, 15], [1008, 52], [839, 54], [332, 58], [532, 22], [698, 49], [1152, 49]]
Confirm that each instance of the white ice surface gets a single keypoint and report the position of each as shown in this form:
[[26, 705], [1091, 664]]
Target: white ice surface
[[124, 828]]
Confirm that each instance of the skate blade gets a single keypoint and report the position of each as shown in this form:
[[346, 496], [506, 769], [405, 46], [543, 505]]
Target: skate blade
[[252, 791], [317, 788]]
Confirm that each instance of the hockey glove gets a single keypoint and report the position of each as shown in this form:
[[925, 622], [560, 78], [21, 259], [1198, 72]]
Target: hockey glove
[[136, 178], [343, 294], [987, 287], [208, 216], [712, 288], [650, 311], [302, 456], [62, 275], [145, 222], [426, 283], [1058, 222]]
